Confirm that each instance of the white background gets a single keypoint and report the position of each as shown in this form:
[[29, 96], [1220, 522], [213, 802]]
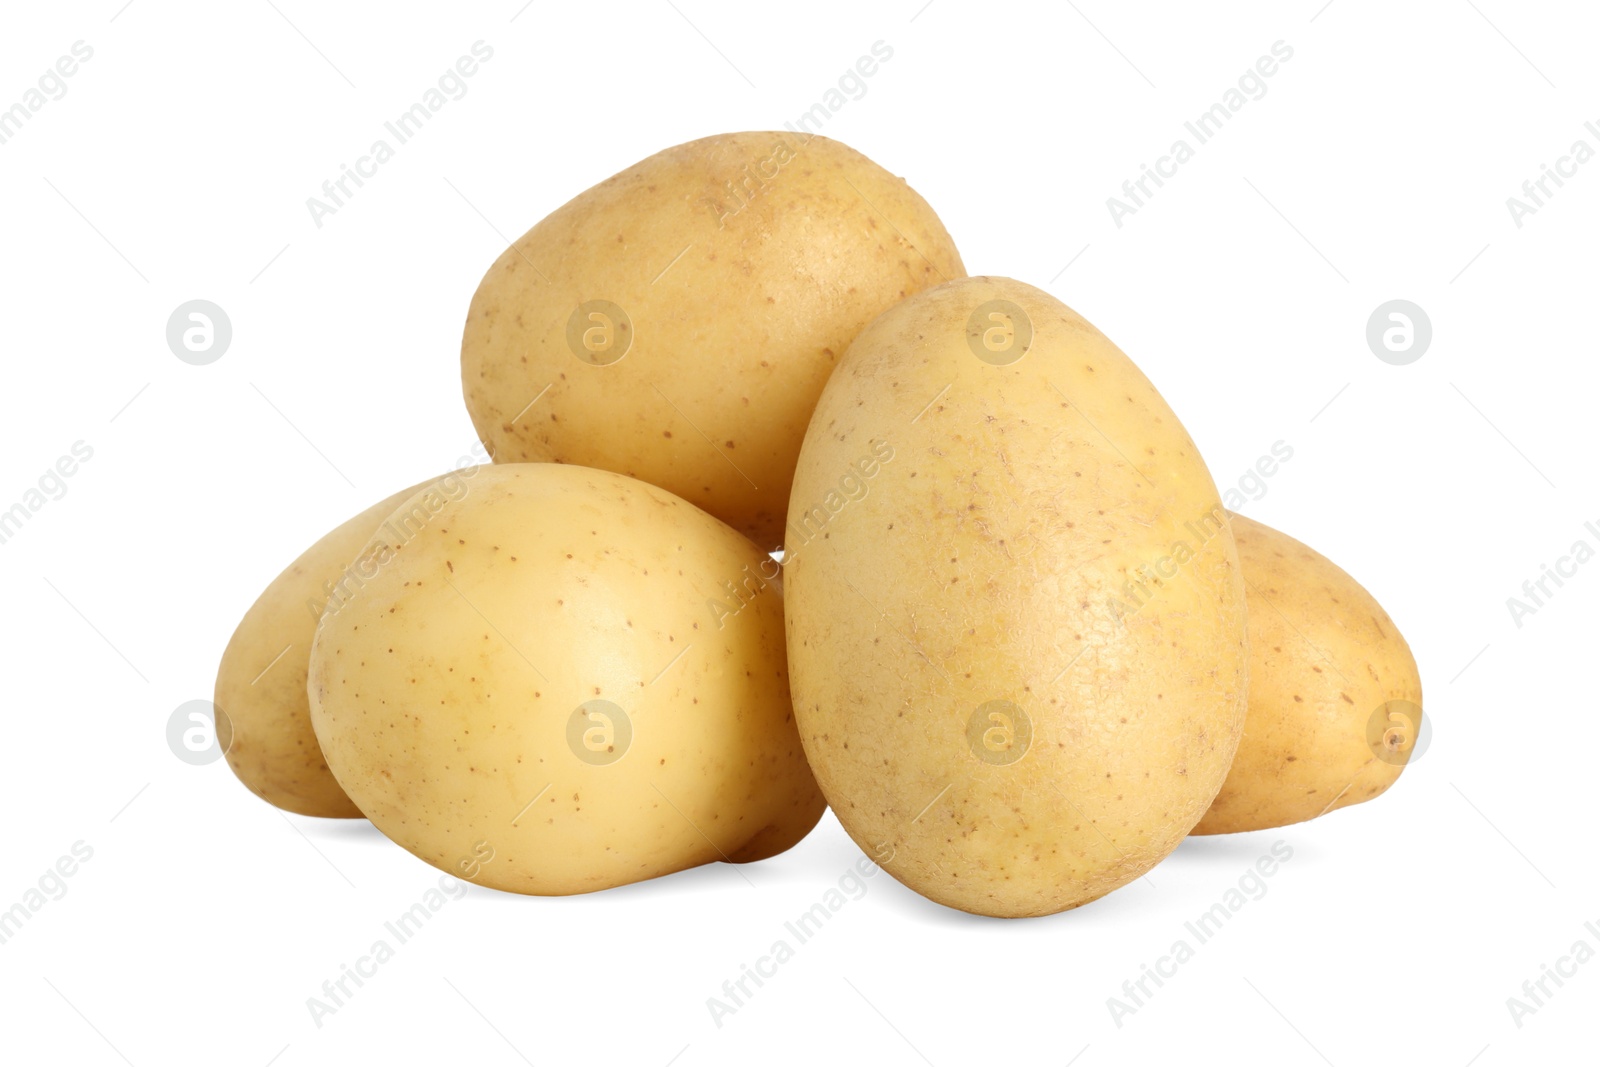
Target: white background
[[1377, 166]]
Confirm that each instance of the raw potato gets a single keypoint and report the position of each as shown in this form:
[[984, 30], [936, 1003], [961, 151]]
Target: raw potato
[[742, 265], [1038, 531], [265, 725], [455, 694], [1335, 698]]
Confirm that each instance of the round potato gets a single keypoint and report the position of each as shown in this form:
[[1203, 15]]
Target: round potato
[[676, 322], [1335, 705], [565, 681], [1015, 616], [265, 724]]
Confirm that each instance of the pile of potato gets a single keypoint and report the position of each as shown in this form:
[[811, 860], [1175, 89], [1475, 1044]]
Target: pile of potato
[[1015, 641]]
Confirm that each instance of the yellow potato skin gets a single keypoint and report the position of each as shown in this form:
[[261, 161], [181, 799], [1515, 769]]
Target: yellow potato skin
[[1324, 657], [265, 728], [986, 561], [443, 691], [745, 263]]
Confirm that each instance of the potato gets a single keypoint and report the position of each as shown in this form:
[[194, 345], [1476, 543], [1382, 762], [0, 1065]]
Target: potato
[[566, 681], [1016, 632], [265, 725], [676, 322], [1335, 700]]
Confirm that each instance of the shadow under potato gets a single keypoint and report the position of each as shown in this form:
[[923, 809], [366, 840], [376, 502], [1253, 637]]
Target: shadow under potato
[[1231, 850], [341, 830], [832, 853]]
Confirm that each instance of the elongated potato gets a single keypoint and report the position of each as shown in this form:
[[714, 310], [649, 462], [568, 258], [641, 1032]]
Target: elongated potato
[[676, 322], [1335, 699], [1016, 621], [265, 727], [566, 681]]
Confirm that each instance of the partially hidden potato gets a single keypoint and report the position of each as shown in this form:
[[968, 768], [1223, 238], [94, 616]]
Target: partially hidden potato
[[1335, 705], [265, 725], [676, 322], [564, 681], [1016, 629]]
